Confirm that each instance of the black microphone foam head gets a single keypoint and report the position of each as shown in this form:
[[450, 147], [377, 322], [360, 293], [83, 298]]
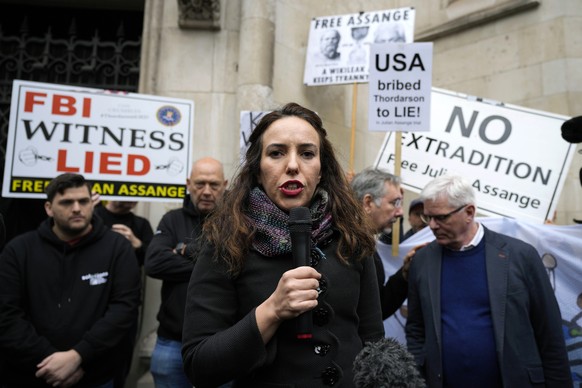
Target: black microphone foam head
[[300, 219], [572, 130], [386, 363]]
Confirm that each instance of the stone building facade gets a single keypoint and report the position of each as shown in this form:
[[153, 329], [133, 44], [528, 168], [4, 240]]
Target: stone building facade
[[229, 56], [233, 55]]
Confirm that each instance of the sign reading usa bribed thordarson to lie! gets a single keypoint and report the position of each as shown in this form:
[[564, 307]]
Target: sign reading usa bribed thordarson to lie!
[[514, 157], [400, 87], [130, 146]]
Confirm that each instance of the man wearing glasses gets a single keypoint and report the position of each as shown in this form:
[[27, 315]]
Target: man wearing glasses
[[481, 310], [380, 194]]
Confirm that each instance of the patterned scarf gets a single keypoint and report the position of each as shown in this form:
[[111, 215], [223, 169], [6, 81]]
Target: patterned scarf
[[272, 237]]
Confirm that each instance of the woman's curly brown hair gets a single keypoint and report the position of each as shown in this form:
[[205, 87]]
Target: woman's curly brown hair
[[231, 231]]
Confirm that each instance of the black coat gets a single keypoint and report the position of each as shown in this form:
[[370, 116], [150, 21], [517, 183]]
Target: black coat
[[222, 342], [140, 227], [182, 225], [394, 292]]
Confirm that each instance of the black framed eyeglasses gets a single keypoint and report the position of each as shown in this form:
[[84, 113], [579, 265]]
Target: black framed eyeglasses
[[440, 217]]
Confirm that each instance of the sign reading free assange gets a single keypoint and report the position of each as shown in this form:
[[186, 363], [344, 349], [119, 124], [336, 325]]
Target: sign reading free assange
[[130, 146], [338, 50], [514, 157]]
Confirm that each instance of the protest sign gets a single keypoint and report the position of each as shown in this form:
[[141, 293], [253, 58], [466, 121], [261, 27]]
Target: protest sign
[[338, 46], [248, 122], [400, 87], [514, 157], [130, 146]]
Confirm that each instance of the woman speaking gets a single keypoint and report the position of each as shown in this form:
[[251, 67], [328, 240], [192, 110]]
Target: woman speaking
[[245, 293]]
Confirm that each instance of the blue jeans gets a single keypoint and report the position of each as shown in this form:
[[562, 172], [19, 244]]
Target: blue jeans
[[166, 365]]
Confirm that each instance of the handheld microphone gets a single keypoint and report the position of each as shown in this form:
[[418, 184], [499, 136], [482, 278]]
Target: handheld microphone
[[300, 228]]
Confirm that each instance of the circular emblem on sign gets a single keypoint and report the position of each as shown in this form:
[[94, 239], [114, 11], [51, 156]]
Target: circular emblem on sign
[[168, 115]]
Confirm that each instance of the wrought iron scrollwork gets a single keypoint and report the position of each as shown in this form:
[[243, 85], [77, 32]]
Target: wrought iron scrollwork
[[91, 61]]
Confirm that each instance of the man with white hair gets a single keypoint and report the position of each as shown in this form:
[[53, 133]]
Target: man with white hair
[[481, 309]]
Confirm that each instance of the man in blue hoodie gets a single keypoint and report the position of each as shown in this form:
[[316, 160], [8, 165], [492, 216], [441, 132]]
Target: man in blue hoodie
[[69, 294]]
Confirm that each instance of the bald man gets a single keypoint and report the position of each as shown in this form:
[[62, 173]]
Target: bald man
[[170, 258]]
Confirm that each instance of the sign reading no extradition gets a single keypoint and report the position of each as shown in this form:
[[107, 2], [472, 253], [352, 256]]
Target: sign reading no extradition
[[338, 50], [400, 87], [514, 157], [130, 146]]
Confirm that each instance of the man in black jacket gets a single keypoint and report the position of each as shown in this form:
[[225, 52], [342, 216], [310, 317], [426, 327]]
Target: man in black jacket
[[69, 294], [415, 211], [118, 215], [2, 232], [381, 197], [170, 257]]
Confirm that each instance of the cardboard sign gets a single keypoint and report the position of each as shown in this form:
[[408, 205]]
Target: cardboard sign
[[248, 122], [400, 87], [338, 50], [514, 157], [130, 146]]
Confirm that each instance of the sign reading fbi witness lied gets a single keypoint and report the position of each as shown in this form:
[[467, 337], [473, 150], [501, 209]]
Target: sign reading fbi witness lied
[[130, 146], [400, 87], [514, 157], [338, 50]]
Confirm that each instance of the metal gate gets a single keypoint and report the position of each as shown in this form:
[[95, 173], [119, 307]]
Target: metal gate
[[74, 47], [81, 47]]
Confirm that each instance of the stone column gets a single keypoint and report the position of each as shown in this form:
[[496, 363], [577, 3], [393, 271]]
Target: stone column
[[150, 46], [256, 55]]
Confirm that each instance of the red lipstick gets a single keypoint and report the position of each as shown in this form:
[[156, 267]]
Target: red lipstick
[[291, 188]]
